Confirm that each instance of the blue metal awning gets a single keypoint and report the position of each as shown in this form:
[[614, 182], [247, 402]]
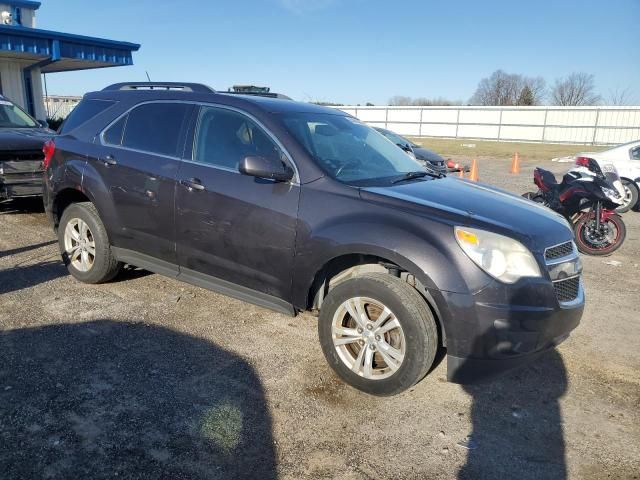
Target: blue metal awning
[[60, 52], [24, 4]]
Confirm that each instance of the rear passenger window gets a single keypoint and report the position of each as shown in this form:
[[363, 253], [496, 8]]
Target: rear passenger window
[[155, 128], [113, 134], [635, 153], [86, 110]]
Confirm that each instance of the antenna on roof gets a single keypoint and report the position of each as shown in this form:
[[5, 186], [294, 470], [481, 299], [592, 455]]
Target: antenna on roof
[[148, 78]]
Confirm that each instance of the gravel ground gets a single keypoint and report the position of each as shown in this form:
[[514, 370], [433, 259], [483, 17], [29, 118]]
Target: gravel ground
[[146, 377]]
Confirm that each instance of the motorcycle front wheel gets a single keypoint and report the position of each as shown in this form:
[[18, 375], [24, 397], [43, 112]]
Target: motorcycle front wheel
[[605, 241]]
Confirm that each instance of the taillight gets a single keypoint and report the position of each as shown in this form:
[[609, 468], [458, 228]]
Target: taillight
[[49, 148], [582, 161]]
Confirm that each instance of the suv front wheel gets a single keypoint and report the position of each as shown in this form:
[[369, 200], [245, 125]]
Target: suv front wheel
[[85, 245], [377, 333]]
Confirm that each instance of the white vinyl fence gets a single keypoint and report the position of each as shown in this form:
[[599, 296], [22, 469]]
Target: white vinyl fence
[[586, 125], [58, 106]]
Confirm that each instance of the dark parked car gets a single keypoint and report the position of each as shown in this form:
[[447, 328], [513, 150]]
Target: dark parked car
[[298, 207], [424, 156], [21, 140]]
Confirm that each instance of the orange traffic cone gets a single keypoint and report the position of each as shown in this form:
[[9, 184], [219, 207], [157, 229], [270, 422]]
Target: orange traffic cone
[[473, 176], [515, 164], [461, 173]]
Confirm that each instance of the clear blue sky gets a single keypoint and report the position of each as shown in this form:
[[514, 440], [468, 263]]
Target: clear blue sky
[[355, 51]]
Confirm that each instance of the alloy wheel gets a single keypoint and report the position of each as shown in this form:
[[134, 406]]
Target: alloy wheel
[[628, 196], [79, 244], [368, 338], [602, 238]]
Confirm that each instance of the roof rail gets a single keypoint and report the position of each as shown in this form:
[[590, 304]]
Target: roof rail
[[184, 87]]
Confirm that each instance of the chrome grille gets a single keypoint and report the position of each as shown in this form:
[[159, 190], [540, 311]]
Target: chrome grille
[[567, 290], [558, 251], [564, 267]]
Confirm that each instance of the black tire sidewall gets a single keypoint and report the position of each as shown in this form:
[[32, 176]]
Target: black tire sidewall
[[102, 269], [420, 334]]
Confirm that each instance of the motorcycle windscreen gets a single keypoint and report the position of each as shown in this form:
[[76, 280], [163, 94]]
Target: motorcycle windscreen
[[611, 175]]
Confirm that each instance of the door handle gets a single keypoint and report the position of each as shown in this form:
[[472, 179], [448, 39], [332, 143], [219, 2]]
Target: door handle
[[109, 160], [193, 184]]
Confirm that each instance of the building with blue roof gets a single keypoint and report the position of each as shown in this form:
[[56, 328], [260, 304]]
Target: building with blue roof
[[27, 52]]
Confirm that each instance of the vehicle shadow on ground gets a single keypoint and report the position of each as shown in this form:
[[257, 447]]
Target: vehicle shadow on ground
[[517, 424], [130, 272], [106, 399], [26, 276], [22, 205], [28, 248]]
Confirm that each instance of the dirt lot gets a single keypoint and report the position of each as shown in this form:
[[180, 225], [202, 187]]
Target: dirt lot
[[146, 377]]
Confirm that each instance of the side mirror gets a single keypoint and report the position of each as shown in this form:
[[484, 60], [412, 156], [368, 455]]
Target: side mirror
[[43, 123], [265, 167], [404, 146]]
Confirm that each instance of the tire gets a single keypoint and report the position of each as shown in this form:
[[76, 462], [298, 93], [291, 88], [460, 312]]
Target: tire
[[631, 190], [416, 336], [100, 265], [588, 248]]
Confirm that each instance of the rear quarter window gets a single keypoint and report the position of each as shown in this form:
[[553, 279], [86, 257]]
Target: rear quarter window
[[86, 110], [635, 153], [113, 134]]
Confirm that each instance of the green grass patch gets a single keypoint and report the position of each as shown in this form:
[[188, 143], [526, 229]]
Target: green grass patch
[[531, 151], [222, 425]]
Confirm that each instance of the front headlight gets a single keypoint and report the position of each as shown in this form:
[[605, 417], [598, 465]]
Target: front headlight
[[611, 193], [501, 257]]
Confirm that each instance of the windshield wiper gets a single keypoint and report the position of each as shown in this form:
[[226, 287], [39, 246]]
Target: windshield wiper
[[417, 174]]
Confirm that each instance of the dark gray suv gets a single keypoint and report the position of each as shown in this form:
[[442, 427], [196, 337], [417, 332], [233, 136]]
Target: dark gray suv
[[297, 207]]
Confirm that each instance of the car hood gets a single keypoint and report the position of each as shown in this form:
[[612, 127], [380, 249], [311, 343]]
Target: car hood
[[23, 138], [427, 155], [465, 203]]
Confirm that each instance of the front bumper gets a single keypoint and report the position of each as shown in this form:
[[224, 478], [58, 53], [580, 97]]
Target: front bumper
[[20, 178], [502, 327], [31, 188]]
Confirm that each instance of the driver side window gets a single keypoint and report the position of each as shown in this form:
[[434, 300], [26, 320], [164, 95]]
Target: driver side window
[[635, 153], [225, 137]]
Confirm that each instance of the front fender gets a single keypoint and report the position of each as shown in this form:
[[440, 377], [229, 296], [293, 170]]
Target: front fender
[[330, 227]]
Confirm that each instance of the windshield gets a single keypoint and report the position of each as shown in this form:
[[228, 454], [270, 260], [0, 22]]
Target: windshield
[[11, 116], [610, 172], [348, 150]]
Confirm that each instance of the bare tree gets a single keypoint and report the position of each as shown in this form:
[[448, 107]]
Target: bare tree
[[399, 100], [620, 96], [403, 101], [435, 102], [576, 89], [503, 88]]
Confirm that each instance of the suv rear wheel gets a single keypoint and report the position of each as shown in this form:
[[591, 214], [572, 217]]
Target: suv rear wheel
[[377, 333], [85, 245]]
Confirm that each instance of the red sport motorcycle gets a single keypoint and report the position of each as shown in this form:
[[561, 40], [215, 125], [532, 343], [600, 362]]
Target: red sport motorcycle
[[587, 197]]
